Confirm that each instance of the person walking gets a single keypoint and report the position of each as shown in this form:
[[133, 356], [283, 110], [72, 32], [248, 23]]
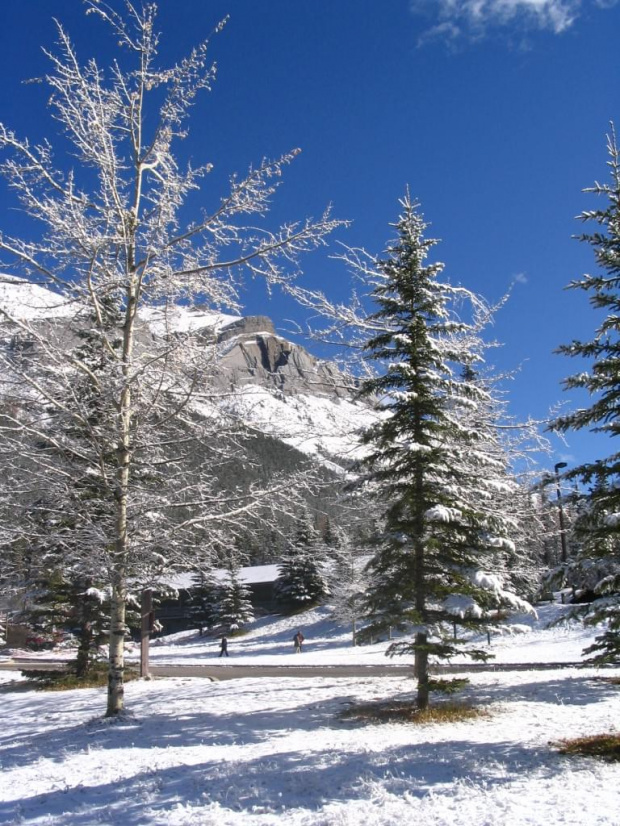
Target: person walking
[[224, 646], [297, 641]]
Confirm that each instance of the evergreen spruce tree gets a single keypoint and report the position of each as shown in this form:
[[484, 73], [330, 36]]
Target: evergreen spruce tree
[[347, 582], [439, 533], [301, 581], [61, 605], [596, 527], [59, 597], [46, 610], [205, 600], [235, 608], [90, 619]]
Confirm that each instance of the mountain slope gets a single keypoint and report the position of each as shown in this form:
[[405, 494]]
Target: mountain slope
[[268, 383]]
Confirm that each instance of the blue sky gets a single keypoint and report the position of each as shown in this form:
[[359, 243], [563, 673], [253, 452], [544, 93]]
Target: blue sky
[[494, 112]]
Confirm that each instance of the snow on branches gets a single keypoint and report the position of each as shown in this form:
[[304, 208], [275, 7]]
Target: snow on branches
[[101, 422]]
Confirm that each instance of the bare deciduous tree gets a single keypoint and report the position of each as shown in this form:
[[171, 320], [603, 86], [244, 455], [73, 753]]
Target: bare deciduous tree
[[102, 423]]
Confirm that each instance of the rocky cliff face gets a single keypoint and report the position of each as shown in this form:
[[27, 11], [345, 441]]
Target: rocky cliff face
[[252, 353]]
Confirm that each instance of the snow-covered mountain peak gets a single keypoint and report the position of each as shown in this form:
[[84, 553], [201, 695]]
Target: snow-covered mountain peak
[[278, 387], [23, 301], [165, 321]]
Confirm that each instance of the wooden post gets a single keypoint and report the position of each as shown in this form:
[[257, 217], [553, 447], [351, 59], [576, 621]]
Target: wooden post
[[146, 606]]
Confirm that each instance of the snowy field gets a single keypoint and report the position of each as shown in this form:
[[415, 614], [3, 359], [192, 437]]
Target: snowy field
[[270, 642], [275, 751]]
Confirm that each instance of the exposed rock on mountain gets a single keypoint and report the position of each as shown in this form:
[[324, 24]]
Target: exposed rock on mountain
[[254, 354], [248, 325], [292, 409], [271, 385]]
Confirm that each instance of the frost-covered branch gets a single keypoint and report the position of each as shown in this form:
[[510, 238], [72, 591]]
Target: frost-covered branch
[[114, 444]]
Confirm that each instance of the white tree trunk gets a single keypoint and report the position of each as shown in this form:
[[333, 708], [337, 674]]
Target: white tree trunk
[[116, 666], [118, 625]]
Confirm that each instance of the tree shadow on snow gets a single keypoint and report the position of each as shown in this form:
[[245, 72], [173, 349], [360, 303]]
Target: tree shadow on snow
[[278, 779], [578, 691], [204, 727], [159, 730], [283, 780], [17, 686]]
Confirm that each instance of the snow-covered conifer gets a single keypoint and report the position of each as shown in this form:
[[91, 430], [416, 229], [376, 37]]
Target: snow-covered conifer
[[234, 608], [205, 599], [598, 559], [429, 469], [301, 580]]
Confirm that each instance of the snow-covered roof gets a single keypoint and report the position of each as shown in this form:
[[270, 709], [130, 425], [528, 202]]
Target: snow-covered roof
[[251, 575]]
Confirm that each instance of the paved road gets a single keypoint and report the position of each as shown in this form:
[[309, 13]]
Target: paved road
[[32, 665], [230, 672]]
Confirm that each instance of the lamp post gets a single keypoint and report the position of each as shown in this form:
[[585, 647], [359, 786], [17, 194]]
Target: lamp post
[[557, 468]]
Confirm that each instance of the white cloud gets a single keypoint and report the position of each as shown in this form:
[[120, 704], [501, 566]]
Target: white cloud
[[521, 278], [455, 19], [568, 458]]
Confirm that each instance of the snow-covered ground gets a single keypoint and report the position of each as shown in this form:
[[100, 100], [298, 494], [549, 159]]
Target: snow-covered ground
[[525, 639], [260, 751]]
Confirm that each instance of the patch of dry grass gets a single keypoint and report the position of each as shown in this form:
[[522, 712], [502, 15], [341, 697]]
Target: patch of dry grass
[[610, 680], [447, 686], [66, 681], [406, 711], [603, 746]]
